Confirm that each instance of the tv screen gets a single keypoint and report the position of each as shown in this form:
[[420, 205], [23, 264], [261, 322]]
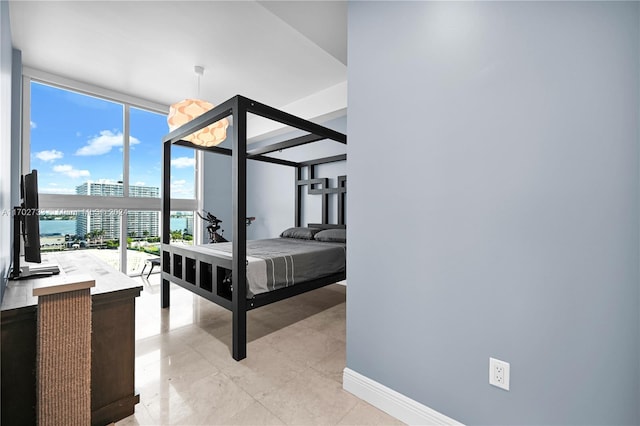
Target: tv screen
[[26, 227], [31, 218]]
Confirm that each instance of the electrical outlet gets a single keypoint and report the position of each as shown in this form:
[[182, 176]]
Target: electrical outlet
[[499, 373]]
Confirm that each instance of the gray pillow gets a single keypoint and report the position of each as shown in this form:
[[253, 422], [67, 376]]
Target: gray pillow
[[299, 233], [332, 236]]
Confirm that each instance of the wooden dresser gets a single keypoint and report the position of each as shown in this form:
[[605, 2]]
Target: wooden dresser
[[112, 342]]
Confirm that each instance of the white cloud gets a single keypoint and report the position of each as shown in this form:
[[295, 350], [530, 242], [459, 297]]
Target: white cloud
[[49, 155], [54, 188], [68, 170], [33, 124], [103, 143], [183, 162], [178, 189]]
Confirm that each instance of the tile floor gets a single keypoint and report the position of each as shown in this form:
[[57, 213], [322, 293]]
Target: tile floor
[[292, 374]]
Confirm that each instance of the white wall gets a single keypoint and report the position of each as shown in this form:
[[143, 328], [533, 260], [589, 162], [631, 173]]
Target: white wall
[[5, 143], [494, 146]]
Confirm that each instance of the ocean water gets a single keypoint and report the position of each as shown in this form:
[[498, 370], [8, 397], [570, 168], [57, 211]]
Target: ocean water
[[63, 227]]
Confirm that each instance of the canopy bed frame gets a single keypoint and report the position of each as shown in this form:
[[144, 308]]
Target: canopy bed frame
[[209, 276]]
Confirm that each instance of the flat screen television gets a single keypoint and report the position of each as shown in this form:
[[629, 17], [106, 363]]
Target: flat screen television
[[26, 228]]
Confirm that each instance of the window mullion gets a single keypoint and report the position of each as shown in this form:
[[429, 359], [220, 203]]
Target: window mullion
[[26, 125], [125, 151], [199, 192], [125, 189]]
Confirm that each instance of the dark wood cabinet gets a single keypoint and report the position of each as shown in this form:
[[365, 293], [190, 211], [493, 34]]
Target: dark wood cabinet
[[113, 356], [18, 366], [112, 348]]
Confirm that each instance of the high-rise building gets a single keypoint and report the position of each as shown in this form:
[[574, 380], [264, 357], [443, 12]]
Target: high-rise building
[[139, 223], [189, 227], [142, 224]]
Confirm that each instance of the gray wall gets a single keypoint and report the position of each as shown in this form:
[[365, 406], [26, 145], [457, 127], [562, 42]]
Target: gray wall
[[270, 187], [504, 137]]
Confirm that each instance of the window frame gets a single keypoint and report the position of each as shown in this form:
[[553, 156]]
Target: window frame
[[126, 202]]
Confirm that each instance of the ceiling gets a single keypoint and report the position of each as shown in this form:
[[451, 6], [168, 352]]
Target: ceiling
[[276, 52]]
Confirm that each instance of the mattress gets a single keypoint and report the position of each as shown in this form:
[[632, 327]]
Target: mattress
[[281, 262]]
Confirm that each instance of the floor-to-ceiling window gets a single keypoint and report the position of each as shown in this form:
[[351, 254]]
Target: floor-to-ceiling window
[[98, 156]]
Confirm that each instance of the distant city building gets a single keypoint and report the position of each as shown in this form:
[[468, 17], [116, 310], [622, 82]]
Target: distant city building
[[139, 223], [142, 224]]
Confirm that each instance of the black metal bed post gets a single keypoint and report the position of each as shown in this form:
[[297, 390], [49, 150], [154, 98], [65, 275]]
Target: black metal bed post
[[342, 194], [166, 217], [325, 195], [298, 207], [239, 262]]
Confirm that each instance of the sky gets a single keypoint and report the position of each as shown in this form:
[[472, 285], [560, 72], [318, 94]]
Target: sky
[[77, 138]]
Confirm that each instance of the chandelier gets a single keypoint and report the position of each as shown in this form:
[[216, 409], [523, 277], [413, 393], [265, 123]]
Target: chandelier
[[188, 109]]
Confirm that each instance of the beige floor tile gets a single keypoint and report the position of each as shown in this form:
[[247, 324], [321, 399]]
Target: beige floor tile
[[186, 365], [196, 333], [264, 371], [185, 373], [303, 345], [140, 417], [257, 329], [331, 321], [206, 312], [310, 399], [365, 414], [153, 348], [217, 350], [198, 402], [254, 415], [275, 321], [332, 366]]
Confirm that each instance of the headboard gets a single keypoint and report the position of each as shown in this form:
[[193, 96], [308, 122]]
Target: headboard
[[320, 186]]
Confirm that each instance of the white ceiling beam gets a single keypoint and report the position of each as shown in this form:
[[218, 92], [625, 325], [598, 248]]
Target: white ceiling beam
[[319, 107]]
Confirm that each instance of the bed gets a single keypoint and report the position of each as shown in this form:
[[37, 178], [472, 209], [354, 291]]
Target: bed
[[273, 267], [242, 275]]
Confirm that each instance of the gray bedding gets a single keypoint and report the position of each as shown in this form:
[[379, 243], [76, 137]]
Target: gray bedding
[[281, 262]]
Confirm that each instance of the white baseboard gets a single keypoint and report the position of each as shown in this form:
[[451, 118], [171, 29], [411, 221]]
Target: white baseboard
[[391, 402]]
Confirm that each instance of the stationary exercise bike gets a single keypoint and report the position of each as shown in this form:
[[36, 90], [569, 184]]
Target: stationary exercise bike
[[214, 226], [216, 237]]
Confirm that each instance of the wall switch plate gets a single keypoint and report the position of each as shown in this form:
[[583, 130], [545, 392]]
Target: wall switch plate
[[499, 373]]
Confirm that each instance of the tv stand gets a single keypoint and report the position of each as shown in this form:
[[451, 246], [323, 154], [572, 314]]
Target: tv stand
[[28, 272]]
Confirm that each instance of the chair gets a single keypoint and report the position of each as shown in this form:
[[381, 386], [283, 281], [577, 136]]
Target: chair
[[154, 261]]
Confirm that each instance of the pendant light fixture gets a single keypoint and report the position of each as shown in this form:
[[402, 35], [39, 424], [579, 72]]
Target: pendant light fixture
[[188, 109]]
